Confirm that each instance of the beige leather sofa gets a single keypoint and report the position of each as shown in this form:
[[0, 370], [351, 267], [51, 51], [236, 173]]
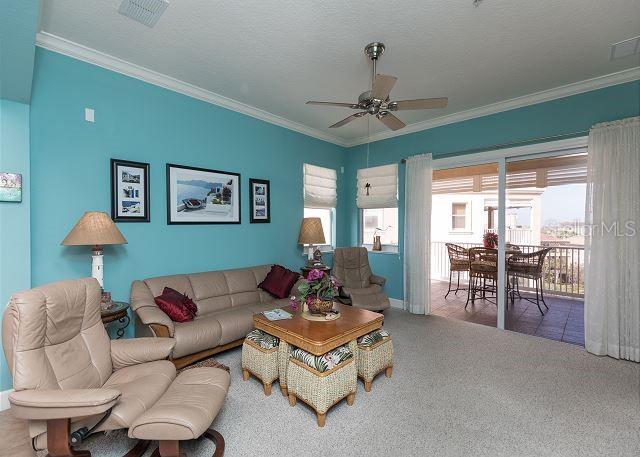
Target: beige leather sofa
[[226, 299], [359, 284], [67, 373]]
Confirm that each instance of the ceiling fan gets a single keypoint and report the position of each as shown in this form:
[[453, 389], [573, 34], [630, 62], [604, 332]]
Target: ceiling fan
[[376, 101]]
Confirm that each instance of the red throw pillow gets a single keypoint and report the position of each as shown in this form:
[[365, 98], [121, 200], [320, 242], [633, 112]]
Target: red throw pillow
[[179, 307], [279, 281]]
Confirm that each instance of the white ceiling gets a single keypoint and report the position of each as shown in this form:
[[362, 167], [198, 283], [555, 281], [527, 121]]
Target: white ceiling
[[276, 54]]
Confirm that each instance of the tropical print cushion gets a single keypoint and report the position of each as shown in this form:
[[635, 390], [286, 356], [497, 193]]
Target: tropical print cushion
[[263, 339], [323, 362], [373, 337]]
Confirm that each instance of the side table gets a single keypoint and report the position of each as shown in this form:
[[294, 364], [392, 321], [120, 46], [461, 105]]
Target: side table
[[118, 314]]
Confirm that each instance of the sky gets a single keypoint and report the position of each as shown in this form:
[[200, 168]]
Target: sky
[[564, 203]]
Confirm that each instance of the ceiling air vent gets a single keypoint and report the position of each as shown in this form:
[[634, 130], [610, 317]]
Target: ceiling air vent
[[146, 12], [625, 48]]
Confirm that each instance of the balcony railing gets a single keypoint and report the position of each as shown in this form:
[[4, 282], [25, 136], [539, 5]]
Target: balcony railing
[[563, 270], [516, 235]]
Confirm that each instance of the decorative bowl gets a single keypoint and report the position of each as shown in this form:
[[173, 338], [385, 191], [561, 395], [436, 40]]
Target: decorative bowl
[[319, 306]]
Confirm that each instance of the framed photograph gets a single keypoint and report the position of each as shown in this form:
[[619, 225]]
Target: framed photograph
[[260, 203], [202, 196], [10, 187], [129, 191]]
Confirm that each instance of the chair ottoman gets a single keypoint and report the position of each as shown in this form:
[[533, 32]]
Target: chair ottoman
[[322, 381], [185, 411], [260, 358], [375, 355]]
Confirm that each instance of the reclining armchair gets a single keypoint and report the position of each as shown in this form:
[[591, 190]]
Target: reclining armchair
[[69, 376], [359, 285]]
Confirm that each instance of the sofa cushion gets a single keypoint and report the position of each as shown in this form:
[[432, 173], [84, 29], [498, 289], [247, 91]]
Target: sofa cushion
[[279, 281], [235, 323], [202, 333], [180, 283]]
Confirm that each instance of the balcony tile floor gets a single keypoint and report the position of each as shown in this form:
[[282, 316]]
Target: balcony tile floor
[[563, 322]]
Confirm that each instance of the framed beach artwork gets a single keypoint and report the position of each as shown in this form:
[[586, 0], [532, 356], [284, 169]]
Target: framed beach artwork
[[260, 203], [202, 196], [129, 191], [11, 187]]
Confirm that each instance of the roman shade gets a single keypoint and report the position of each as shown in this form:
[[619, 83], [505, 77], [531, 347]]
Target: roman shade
[[320, 187], [378, 187]]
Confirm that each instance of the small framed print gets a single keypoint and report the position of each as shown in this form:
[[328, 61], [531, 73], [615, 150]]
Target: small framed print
[[129, 191], [10, 187], [260, 204]]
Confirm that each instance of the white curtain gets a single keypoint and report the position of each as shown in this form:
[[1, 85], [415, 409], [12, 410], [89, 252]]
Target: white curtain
[[417, 234], [382, 191], [320, 187], [612, 242]]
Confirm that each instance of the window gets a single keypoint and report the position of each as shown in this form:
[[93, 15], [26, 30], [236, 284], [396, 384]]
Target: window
[[327, 218], [377, 199], [382, 222], [320, 198], [460, 217]]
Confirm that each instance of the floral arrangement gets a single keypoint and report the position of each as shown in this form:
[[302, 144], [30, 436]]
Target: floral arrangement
[[316, 287], [490, 240]]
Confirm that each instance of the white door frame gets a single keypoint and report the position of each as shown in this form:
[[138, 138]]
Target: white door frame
[[501, 157]]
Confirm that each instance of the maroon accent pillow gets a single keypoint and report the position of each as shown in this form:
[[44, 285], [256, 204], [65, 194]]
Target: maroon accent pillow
[[179, 307], [279, 281]]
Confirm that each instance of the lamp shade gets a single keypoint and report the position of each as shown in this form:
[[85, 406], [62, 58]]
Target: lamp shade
[[94, 228], [311, 231]]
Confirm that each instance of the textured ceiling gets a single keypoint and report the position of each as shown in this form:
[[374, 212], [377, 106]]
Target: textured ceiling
[[276, 54]]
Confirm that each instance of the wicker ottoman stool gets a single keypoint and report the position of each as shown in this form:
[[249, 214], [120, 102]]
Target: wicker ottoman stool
[[375, 355], [260, 358], [322, 381]]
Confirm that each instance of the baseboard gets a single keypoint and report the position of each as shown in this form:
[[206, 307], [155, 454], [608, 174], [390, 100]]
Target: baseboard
[[4, 399], [395, 303]]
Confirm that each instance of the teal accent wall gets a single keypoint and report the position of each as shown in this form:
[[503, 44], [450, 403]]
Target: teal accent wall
[[15, 256], [18, 22], [561, 116], [142, 122]]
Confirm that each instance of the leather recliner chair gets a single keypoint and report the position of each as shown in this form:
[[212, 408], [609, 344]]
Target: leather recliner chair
[[67, 373], [359, 284]]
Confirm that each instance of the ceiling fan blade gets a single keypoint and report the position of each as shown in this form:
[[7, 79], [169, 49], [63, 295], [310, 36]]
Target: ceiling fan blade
[[345, 105], [382, 86], [420, 103], [391, 121], [348, 119]]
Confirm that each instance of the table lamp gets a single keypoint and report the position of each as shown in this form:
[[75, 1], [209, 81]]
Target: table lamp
[[96, 229], [311, 233]]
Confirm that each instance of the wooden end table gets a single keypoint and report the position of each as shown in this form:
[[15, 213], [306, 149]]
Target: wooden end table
[[117, 313]]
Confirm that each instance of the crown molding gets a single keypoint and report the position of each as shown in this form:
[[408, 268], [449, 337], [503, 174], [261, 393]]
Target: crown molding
[[631, 74], [77, 51]]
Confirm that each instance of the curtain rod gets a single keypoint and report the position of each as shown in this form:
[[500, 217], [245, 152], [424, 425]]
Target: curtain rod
[[512, 143]]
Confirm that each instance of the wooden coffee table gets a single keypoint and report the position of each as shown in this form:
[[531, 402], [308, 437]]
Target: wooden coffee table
[[320, 337]]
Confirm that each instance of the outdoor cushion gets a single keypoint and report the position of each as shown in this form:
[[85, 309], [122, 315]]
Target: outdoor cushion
[[323, 362], [263, 339], [373, 337]]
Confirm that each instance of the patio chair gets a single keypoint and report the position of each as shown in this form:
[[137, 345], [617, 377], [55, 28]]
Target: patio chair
[[527, 266], [483, 266], [458, 261]]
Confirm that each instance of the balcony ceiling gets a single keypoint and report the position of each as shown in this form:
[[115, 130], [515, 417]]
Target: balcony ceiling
[[276, 54]]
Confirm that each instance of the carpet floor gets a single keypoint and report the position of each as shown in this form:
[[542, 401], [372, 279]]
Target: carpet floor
[[458, 389]]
